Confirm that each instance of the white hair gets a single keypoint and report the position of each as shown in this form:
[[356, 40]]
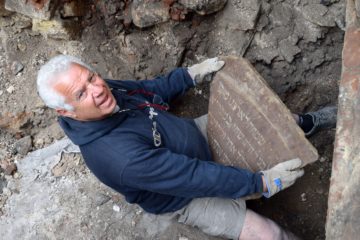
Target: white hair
[[48, 76]]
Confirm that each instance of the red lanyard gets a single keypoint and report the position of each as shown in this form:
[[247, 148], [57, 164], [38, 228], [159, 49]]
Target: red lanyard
[[147, 93]]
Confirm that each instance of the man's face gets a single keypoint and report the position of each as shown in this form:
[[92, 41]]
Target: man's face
[[87, 92]]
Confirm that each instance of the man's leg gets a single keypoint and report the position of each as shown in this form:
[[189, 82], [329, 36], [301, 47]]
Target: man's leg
[[257, 227], [312, 122], [201, 123]]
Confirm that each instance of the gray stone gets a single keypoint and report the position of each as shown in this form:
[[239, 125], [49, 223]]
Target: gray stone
[[23, 145], [306, 30], [3, 153], [319, 15], [204, 7], [265, 47], [248, 12], [148, 13], [239, 100], [16, 67], [101, 199], [34, 9], [288, 48], [229, 35]]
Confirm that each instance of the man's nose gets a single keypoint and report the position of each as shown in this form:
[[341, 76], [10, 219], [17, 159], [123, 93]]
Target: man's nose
[[96, 89]]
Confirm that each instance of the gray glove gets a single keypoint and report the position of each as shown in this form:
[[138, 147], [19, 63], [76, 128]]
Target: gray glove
[[282, 176]]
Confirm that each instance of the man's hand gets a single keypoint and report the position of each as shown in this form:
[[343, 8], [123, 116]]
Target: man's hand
[[200, 70], [281, 176]]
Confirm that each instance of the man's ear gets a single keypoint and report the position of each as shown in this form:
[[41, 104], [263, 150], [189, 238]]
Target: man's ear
[[65, 113]]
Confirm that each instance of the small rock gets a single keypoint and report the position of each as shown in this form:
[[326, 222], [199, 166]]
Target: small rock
[[319, 190], [1, 92], [23, 145], [116, 208], [322, 159], [6, 191], [17, 175], [3, 153], [16, 67], [183, 238], [21, 47], [148, 13], [101, 199], [303, 197], [321, 170], [7, 167], [10, 89]]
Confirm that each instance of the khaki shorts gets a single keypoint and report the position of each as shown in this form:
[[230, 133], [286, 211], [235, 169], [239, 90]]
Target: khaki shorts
[[219, 217]]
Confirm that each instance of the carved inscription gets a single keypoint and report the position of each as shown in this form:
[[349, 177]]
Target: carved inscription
[[248, 124]]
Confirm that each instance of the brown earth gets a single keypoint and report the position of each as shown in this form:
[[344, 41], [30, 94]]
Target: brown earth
[[307, 82]]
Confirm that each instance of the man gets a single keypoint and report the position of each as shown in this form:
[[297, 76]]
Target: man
[[155, 159]]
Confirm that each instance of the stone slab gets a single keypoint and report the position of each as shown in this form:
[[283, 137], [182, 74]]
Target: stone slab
[[40, 9], [343, 217], [248, 124]]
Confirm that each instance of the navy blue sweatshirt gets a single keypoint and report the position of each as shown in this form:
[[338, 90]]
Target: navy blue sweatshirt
[[120, 150]]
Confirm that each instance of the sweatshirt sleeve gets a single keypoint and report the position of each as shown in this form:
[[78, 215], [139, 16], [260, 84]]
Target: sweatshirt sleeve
[[160, 170], [169, 87]]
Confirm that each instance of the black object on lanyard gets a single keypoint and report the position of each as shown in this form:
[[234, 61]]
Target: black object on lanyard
[[152, 113]]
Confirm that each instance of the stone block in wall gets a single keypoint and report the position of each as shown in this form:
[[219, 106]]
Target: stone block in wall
[[248, 125], [343, 216], [147, 13], [40, 9], [57, 28]]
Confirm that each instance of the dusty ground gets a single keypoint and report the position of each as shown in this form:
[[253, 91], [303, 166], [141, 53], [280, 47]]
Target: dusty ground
[[299, 58]]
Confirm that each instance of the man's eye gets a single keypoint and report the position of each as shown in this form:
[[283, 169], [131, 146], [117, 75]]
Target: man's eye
[[92, 77], [81, 95]]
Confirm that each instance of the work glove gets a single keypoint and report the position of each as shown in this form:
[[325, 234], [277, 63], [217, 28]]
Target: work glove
[[281, 176], [200, 70]]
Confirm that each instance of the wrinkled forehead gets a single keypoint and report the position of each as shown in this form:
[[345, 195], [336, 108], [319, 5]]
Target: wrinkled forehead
[[74, 73]]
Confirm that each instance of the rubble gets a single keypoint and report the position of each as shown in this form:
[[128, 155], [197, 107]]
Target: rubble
[[148, 13], [57, 28], [23, 145], [203, 7], [42, 9], [319, 15]]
